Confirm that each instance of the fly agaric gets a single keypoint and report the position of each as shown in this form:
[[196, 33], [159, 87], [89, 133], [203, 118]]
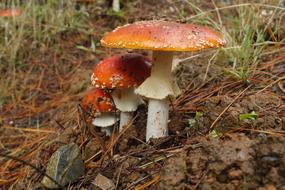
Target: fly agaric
[[100, 105], [122, 73], [12, 12], [163, 38], [116, 5]]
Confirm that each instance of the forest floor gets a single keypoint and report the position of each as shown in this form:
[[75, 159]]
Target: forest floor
[[226, 129]]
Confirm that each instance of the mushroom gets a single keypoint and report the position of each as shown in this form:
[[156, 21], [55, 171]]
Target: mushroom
[[116, 5], [100, 105], [163, 38], [12, 12], [122, 73]]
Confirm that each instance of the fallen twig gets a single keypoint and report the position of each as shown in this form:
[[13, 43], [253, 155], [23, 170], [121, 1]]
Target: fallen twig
[[220, 115]]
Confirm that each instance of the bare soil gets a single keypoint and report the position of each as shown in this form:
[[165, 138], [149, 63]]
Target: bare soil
[[234, 162]]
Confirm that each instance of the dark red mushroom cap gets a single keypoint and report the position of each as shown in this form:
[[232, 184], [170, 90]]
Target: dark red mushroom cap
[[97, 100], [121, 71], [163, 36]]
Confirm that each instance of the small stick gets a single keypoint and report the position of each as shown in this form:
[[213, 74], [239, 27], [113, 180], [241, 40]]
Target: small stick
[[153, 181], [280, 86], [30, 130], [217, 119], [32, 166], [118, 178], [274, 82], [113, 143], [201, 179]]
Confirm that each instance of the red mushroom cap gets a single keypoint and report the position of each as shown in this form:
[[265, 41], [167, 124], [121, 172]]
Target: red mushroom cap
[[163, 36], [98, 100], [121, 71], [10, 12]]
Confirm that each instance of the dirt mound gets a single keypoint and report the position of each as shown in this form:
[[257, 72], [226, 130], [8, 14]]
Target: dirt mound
[[264, 105], [241, 163]]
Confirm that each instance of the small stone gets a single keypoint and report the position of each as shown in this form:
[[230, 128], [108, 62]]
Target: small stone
[[64, 166], [103, 183], [272, 160]]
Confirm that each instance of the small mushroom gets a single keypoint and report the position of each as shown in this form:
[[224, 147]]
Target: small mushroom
[[163, 38], [12, 12], [116, 5], [100, 105], [122, 73]]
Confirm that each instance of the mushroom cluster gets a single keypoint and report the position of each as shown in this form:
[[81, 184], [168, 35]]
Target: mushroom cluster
[[114, 79], [130, 76], [163, 38]]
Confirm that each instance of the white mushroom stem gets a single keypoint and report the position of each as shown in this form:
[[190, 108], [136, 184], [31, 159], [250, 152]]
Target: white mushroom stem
[[105, 121], [116, 5], [157, 119], [157, 88], [127, 102], [125, 118], [107, 131]]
